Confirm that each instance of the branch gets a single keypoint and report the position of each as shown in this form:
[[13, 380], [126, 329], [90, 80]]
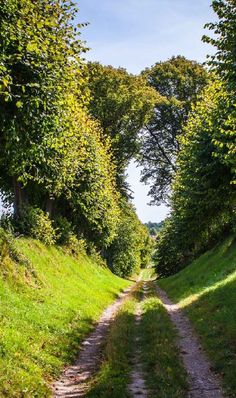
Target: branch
[[162, 151]]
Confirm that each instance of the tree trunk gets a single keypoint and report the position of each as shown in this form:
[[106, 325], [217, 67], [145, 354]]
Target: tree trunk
[[49, 207], [20, 198]]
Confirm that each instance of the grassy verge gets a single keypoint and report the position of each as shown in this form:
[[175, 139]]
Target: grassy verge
[[48, 305], [113, 378], [164, 371], [207, 291]]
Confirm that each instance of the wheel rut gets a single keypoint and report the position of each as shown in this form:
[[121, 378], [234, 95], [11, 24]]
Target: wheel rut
[[203, 383], [74, 380]]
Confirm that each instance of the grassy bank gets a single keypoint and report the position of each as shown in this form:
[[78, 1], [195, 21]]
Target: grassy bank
[[164, 371], [207, 291], [48, 304]]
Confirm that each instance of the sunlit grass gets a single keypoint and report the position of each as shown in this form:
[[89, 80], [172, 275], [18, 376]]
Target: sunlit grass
[[46, 309], [114, 376], [207, 291], [163, 367], [147, 274]]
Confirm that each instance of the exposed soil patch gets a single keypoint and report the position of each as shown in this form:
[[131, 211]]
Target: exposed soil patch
[[203, 383], [74, 380], [137, 386]]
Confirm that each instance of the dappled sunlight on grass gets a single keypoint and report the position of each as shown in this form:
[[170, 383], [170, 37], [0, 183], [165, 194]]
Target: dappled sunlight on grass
[[164, 370], [114, 375], [194, 297]]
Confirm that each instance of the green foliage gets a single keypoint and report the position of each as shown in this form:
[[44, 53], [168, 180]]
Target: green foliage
[[154, 227], [64, 228], [203, 199], [223, 61], [53, 155], [42, 86], [36, 223], [7, 222], [177, 82], [94, 198], [123, 104], [75, 246], [131, 248], [203, 196], [206, 289], [4, 244], [46, 311]]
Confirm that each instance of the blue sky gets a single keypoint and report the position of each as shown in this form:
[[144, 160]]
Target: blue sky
[[137, 33]]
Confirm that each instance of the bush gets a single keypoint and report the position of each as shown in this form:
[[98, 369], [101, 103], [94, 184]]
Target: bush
[[8, 250], [36, 223], [7, 222], [74, 246], [65, 230], [130, 249], [4, 245]]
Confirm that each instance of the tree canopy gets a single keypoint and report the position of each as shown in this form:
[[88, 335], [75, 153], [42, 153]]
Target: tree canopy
[[123, 104], [203, 191], [67, 131], [177, 82]]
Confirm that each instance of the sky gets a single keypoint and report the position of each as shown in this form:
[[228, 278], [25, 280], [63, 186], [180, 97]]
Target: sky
[[136, 34]]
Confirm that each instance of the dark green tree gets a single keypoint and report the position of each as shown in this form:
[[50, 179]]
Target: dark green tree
[[224, 39], [177, 82], [203, 196]]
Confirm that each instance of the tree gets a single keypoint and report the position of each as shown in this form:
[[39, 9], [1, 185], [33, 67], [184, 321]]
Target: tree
[[42, 83], [132, 247], [93, 204], [178, 82], [123, 104], [223, 63], [224, 40], [203, 198]]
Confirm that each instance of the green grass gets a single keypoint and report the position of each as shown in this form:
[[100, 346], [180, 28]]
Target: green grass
[[207, 291], [147, 274], [45, 310], [163, 367], [114, 376]]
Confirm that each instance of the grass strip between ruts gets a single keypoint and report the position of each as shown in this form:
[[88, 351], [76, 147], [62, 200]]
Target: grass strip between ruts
[[163, 367]]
